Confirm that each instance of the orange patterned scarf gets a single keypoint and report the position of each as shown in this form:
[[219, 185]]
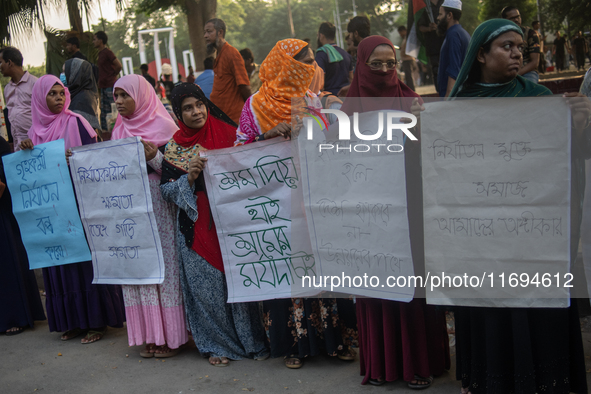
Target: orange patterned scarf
[[283, 78]]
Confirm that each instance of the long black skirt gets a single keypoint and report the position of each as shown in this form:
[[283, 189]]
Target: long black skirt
[[521, 351], [20, 303]]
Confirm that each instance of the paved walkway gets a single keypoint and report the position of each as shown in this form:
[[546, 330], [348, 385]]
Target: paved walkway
[[38, 361]]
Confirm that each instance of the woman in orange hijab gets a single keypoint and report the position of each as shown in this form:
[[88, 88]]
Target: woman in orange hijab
[[286, 74], [297, 327]]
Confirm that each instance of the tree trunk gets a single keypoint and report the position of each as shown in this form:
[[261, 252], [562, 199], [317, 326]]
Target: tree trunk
[[199, 12], [75, 16], [290, 20]]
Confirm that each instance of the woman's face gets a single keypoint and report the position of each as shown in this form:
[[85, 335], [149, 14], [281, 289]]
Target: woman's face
[[194, 112], [124, 102], [382, 54], [56, 98], [309, 58], [503, 61]]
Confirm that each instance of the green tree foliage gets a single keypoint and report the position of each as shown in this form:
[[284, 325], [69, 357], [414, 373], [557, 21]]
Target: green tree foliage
[[492, 9], [260, 24], [20, 17], [123, 33], [470, 15], [196, 12], [566, 15]]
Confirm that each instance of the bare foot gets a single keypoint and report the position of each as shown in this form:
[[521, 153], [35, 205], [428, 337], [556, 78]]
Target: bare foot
[[293, 362], [92, 336], [420, 383], [14, 331], [219, 361], [70, 334], [148, 350], [162, 349]]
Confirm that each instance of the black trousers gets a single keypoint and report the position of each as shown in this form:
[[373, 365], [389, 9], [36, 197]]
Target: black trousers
[[559, 62], [580, 60]]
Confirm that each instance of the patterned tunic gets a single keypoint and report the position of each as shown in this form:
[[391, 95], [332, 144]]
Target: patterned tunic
[[219, 329]]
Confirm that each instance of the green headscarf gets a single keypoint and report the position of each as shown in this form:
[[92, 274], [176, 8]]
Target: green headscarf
[[518, 87]]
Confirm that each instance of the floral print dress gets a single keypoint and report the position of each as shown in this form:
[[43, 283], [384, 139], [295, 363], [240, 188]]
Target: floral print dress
[[305, 327]]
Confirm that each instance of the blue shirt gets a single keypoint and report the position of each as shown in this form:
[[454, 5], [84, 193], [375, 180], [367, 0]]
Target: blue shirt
[[336, 75], [453, 52], [205, 82]]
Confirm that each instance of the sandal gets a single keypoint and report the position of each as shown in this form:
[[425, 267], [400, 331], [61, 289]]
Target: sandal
[[71, 334], [90, 334], [418, 386], [221, 363], [347, 354], [263, 357], [148, 351], [15, 331], [166, 354], [376, 382], [290, 362]]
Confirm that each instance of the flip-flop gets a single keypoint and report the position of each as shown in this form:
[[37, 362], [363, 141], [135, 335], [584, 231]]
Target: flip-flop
[[90, 334], [347, 354], [418, 386], [19, 330], [71, 334], [146, 353], [262, 358], [293, 366], [377, 382]]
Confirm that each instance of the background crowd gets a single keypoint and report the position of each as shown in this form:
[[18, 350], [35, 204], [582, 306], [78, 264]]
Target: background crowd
[[237, 101]]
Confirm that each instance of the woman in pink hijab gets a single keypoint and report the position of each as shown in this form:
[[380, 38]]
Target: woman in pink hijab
[[155, 313], [52, 120], [73, 303]]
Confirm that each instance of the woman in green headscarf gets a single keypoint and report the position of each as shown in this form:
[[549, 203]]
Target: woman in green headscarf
[[519, 350], [492, 62]]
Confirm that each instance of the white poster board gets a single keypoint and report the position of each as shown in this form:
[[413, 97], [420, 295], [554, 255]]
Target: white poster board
[[356, 210], [249, 189], [113, 193], [496, 193]]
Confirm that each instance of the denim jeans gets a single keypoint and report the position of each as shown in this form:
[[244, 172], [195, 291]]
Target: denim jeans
[[106, 100]]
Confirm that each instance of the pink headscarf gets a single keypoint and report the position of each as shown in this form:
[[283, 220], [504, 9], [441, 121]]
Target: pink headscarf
[[150, 119], [48, 126]]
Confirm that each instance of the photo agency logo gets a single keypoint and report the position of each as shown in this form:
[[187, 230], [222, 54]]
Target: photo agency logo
[[393, 120]]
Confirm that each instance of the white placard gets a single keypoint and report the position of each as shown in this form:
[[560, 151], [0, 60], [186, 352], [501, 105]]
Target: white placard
[[496, 187], [355, 200], [249, 189], [113, 193]]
